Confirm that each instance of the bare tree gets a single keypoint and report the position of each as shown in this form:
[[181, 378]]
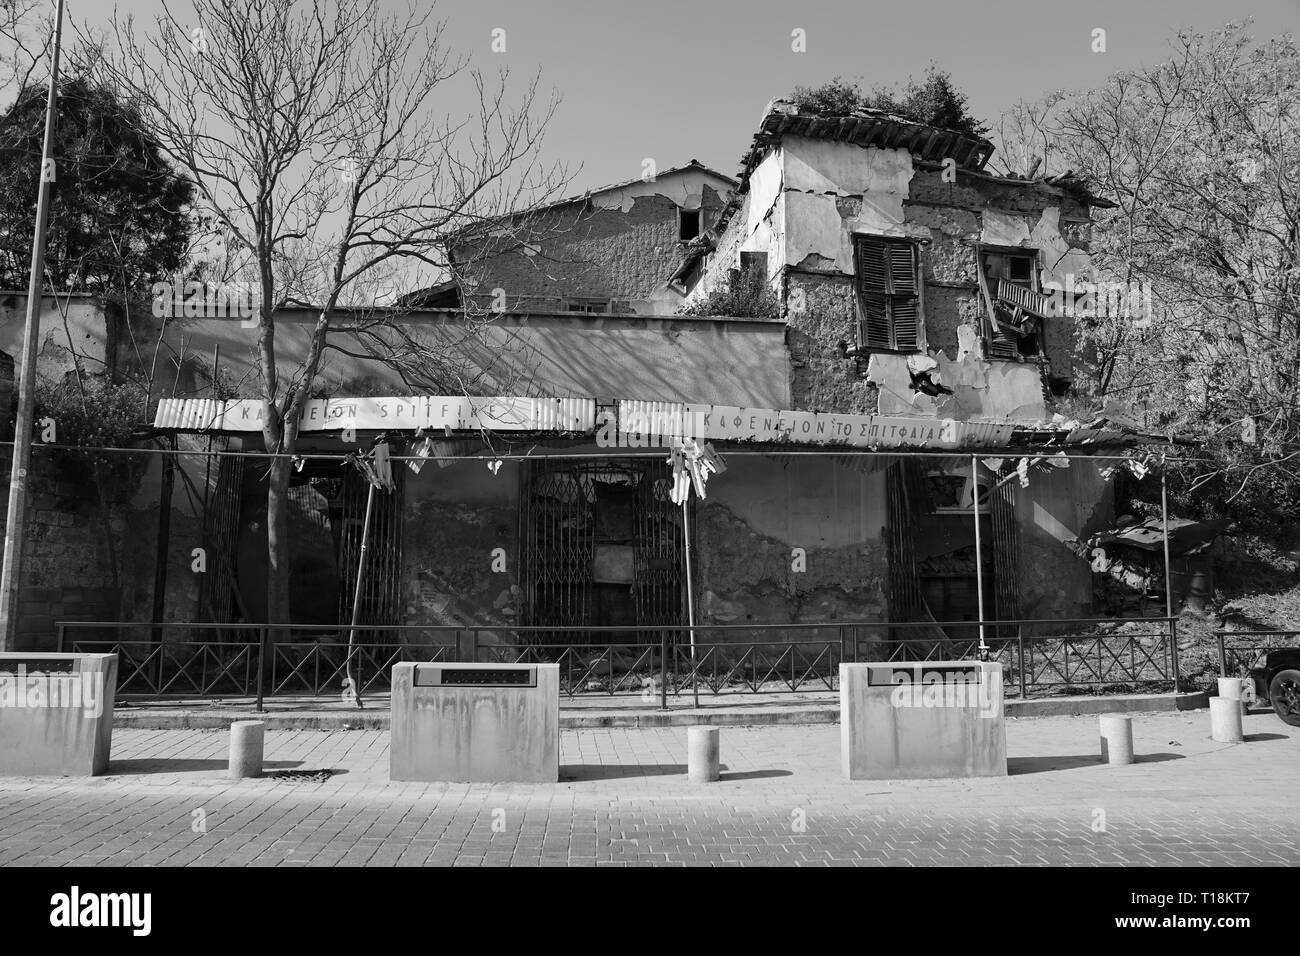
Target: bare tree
[[1201, 155], [24, 58], [1026, 137], [314, 134]]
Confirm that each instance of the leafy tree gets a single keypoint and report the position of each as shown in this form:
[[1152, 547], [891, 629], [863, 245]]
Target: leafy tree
[[119, 216], [119, 213]]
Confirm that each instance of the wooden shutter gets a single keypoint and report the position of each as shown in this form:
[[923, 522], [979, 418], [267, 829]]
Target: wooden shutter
[[875, 321], [902, 268], [873, 271], [904, 319], [887, 283]]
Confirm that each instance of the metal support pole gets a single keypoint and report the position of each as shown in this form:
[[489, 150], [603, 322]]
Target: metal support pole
[[1169, 579], [979, 556], [161, 548], [353, 677], [663, 670], [11, 572], [690, 598], [1020, 654], [261, 665]]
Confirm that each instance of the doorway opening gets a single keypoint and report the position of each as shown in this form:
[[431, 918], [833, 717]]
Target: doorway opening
[[602, 548]]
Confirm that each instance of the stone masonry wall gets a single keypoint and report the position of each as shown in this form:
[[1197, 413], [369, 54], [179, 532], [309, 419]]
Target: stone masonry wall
[[591, 252], [455, 518], [68, 571], [821, 316]]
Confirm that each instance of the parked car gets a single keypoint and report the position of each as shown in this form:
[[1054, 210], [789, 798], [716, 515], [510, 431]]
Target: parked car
[[1276, 676]]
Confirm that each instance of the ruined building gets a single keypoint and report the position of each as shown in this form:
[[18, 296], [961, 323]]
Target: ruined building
[[918, 307], [611, 250]]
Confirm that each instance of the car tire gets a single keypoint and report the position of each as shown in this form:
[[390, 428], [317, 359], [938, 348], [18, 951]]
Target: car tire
[[1284, 692]]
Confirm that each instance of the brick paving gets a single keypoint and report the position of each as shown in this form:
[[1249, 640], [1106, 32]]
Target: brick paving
[[624, 800]]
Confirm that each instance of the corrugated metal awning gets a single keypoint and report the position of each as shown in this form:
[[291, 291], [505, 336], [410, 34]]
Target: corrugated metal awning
[[398, 413]]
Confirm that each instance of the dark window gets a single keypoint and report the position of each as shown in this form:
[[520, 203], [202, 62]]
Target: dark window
[[688, 224], [888, 294], [1015, 307], [754, 262], [598, 306], [1015, 267]]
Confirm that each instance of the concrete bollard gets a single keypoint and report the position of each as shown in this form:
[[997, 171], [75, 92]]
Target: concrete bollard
[[1116, 739], [703, 754], [1225, 720], [1233, 688], [247, 739]]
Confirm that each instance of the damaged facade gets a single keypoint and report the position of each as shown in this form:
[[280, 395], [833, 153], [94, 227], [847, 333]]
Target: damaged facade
[[915, 284], [614, 249], [912, 282], [913, 317]]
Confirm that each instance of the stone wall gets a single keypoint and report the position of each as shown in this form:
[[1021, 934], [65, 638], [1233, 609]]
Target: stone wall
[[72, 553], [821, 317], [622, 246], [456, 518]]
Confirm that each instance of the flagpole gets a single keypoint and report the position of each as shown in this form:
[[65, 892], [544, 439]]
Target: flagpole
[[16, 516]]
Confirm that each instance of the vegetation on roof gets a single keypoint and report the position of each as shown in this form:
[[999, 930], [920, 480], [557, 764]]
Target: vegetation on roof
[[933, 101]]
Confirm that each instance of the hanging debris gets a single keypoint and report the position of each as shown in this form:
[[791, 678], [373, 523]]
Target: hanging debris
[[377, 468], [1128, 560], [692, 465]]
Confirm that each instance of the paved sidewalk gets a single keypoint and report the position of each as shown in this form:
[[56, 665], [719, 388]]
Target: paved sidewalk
[[624, 799]]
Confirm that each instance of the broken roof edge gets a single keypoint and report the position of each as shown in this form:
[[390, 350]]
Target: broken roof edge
[[864, 127], [487, 222]]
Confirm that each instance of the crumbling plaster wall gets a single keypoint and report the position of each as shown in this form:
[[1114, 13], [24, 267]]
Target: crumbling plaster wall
[[807, 200], [455, 519], [763, 508], [622, 244], [822, 377], [72, 329], [756, 226]]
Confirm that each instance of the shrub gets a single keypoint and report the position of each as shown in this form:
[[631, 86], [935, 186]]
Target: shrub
[[934, 101], [746, 296], [104, 415]]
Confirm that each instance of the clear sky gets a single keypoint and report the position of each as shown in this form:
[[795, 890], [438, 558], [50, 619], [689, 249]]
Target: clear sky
[[681, 79], [674, 80]]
